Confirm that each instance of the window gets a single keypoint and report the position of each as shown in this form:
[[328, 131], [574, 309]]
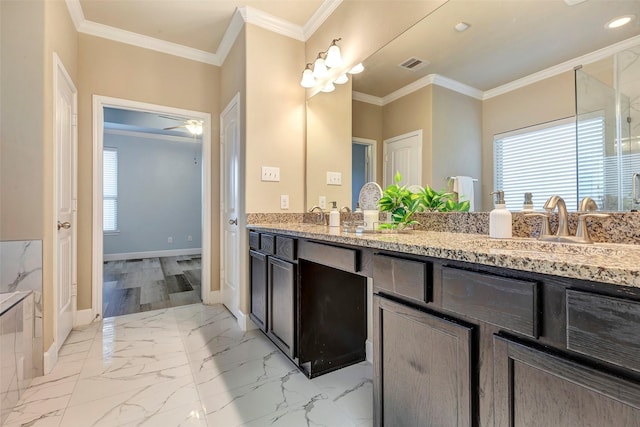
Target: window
[[110, 190], [542, 160]]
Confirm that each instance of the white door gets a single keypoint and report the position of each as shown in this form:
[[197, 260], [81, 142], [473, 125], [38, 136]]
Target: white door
[[229, 211], [65, 160], [403, 154]]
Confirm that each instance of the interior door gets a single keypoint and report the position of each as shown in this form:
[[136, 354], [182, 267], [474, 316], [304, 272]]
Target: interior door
[[65, 160], [403, 154], [229, 206]]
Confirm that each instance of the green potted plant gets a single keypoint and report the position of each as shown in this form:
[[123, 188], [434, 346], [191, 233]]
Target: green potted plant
[[402, 203]]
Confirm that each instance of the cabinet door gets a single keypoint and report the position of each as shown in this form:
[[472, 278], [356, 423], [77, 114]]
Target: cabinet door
[[281, 326], [422, 368], [258, 285], [535, 388]]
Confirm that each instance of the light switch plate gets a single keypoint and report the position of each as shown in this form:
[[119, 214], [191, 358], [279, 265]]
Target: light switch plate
[[334, 178], [322, 202], [284, 201], [270, 173]]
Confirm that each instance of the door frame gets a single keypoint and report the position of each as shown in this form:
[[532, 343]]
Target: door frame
[[99, 103], [59, 70], [372, 151], [243, 288]]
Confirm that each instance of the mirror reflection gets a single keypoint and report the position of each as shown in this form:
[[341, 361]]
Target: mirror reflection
[[434, 101]]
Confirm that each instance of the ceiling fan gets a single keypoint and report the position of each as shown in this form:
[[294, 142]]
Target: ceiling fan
[[192, 125]]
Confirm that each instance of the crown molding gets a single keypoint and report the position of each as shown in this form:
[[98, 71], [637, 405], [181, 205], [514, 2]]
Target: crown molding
[[317, 19], [369, 99], [230, 35], [563, 67], [75, 10], [410, 88], [456, 86], [146, 42], [272, 23]]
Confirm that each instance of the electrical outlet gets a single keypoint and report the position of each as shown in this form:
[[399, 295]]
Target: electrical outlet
[[170, 239], [322, 202], [334, 178], [284, 201], [189, 238], [270, 173]]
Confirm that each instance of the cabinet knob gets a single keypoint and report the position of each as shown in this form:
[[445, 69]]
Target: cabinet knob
[[66, 225]]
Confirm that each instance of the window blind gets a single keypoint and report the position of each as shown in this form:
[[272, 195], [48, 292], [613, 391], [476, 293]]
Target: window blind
[[110, 190], [543, 160]]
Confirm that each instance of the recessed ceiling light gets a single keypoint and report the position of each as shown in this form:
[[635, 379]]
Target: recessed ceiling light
[[461, 26], [619, 21]]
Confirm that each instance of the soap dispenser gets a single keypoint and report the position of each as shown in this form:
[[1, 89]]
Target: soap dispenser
[[527, 206], [334, 215], [500, 218]]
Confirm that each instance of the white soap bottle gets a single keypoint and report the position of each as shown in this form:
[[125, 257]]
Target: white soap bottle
[[527, 206], [500, 218], [334, 215]]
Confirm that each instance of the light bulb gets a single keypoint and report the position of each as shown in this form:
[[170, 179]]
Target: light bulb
[[334, 58], [342, 79], [320, 68], [307, 78], [194, 127], [329, 87], [358, 68]]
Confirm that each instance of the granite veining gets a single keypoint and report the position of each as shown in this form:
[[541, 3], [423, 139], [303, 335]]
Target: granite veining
[[617, 264]]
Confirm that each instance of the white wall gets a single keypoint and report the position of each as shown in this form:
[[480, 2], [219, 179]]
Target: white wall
[[159, 194]]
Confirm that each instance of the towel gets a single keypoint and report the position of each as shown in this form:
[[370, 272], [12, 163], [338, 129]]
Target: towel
[[463, 185]]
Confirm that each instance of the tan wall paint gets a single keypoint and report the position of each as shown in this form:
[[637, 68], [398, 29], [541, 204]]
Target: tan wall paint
[[275, 119], [329, 145], [410, 113], [544, 101], [367, 123], [118, 70], [457, 138], [21, 119]]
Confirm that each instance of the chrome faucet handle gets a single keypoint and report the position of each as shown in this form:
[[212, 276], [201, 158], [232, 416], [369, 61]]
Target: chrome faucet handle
[[545, 227], [582, 233]]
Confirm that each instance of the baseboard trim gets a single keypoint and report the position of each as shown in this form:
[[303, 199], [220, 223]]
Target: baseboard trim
[[212, 297], [368, 348], [245, 322], [50, 358], [151, 254], [83, 317]]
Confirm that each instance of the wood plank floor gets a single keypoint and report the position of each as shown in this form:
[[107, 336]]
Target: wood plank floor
[[136, 285]]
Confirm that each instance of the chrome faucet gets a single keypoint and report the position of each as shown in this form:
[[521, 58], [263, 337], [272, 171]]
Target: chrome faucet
[[563, 224], [320, 214], [346, 209], [587, 204]]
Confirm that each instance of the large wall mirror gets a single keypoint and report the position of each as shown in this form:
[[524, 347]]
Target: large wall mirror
[[459, 90]]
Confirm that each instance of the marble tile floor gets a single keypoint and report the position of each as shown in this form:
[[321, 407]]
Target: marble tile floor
[[187, 366], [137, 285]]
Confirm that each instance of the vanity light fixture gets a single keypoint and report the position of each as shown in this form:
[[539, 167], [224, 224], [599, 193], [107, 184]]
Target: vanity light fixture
[[308, 80], [319, 73], [619, 21], [358, 68]]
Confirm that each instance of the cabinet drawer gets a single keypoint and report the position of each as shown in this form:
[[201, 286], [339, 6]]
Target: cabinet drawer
[[509, 303], [332, 256], [286, 248], [403, 277], [604, 327], [267, 244], [254, 240]]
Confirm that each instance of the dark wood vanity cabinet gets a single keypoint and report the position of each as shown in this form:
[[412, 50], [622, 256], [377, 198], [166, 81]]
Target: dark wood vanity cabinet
[[423, 373], [258, 288]]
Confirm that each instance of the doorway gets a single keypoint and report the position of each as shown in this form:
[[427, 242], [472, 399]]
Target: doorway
[[169, 266], [363, 166]]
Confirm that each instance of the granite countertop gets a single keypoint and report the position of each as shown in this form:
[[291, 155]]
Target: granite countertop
[[618, 264]]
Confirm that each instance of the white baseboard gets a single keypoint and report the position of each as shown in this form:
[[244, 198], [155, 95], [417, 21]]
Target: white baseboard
[[245, 322], [83, 317], [368, 348], [151, 254], [212, 297], [50, 358]]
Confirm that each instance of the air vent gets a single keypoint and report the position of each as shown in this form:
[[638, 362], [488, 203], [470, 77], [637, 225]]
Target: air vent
[[414, 64]]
